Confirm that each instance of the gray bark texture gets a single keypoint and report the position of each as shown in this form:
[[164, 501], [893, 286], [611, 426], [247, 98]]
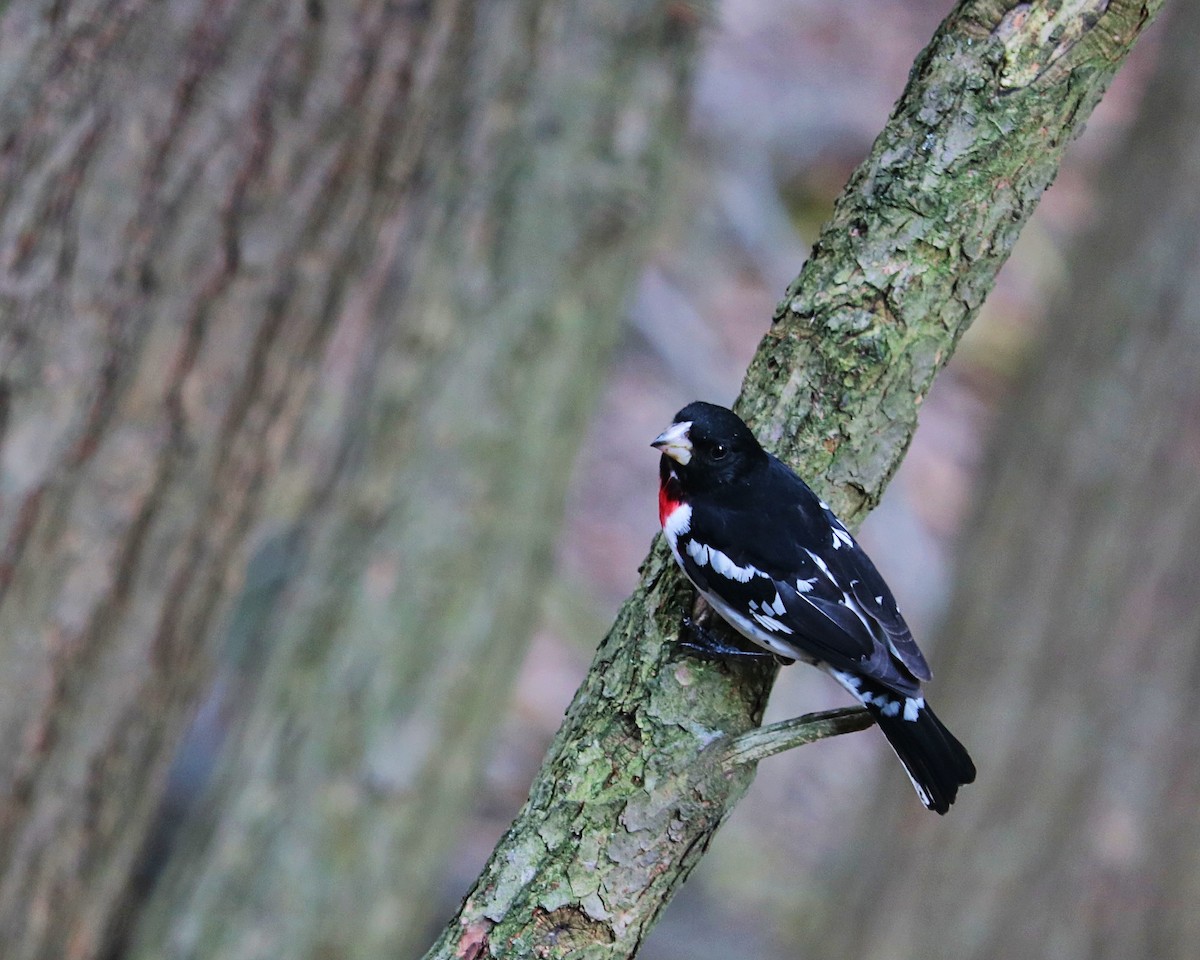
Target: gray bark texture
[[644, 769], [1070, 657], [299, 303]]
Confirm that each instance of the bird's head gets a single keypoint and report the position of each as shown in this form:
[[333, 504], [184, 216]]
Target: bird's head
[[707, 447]]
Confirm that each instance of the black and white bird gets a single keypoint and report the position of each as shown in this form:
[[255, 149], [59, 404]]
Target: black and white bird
[[771, 558]]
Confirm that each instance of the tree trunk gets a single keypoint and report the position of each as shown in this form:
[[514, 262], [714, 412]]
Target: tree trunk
[[644, 768], [327, 284], [1074, 631]]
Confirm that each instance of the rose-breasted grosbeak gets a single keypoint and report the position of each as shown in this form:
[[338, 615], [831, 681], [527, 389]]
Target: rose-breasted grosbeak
[[771, 558]]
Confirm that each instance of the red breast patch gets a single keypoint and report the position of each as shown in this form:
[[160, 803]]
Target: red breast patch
[[668, 500]]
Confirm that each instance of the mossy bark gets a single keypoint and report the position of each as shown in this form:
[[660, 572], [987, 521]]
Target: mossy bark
[[625, 803], [302, 304]]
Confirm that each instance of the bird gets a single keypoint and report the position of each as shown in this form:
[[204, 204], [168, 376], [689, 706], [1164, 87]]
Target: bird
[[774, 561]]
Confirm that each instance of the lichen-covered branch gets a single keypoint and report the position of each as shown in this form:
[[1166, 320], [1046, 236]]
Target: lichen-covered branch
[[759, 743], [623, 807]]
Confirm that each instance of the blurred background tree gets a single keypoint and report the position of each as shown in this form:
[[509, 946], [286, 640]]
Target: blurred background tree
[[305, 307]]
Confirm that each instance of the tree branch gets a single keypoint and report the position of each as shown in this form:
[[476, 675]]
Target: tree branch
[[762, 742], [621, 811]]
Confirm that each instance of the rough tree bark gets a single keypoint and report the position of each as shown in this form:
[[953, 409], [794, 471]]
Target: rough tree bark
[[323, 283], [1074, 631], [642, 772]]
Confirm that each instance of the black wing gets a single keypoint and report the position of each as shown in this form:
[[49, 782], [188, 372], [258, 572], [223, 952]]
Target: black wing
[[791, 570]]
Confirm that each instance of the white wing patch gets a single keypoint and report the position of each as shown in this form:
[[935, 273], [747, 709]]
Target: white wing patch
[[822, 567], [770, 623], [754, 628], [704, 554], [804, 586], [762, 613], [841, 538]]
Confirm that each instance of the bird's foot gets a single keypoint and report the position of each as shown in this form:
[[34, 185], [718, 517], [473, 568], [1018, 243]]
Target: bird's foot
[[701, 642]]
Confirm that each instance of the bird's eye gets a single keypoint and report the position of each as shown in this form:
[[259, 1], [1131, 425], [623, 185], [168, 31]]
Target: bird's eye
[[718, 451]]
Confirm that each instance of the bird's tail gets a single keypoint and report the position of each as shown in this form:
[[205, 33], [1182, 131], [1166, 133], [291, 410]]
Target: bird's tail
[[936, 763]]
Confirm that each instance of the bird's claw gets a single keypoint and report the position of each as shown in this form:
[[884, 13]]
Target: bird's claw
[[701, 642]]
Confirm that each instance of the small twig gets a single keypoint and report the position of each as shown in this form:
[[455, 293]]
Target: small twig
[[762, 742]]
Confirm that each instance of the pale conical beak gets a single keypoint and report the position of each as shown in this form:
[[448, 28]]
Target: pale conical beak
[[675, 442]]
